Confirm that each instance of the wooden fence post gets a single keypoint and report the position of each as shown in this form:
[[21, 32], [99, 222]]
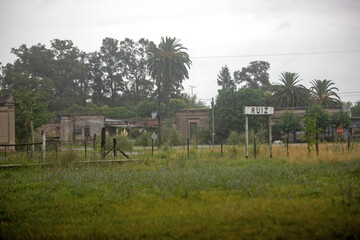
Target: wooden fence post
[[115, 147], [103, 143], [188, 150], [86, 139], [43, 145], [94, 141]]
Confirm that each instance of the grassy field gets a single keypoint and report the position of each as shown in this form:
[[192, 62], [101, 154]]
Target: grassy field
[[172, 197]]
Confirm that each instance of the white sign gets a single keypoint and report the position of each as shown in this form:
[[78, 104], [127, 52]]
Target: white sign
[[153, 136], [259, 110]]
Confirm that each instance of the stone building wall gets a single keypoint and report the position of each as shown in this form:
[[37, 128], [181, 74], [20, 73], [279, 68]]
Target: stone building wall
[[76, 127], [188, 122], [7, 122]]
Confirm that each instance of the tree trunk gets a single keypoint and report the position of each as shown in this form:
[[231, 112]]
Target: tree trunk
[[167, 109], [32, 138], [317, 143], [287, 144], [159, 115]]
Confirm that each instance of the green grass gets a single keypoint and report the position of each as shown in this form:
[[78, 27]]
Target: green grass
[[172, 197]]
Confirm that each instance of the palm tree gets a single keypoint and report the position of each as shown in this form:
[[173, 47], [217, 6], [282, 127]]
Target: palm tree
[[323, 93], [168, 64], [290, 93]]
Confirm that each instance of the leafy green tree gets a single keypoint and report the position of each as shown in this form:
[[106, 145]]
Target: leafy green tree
[[134, 56], [37, 60], [341, 119], [96, 76], [168, 64], [254, 76], [355, 110], [176, 105], [31, 110], [289, 93], [32, 94], [226, 121], [322, 121], [192, 101], [324, 93], [70, 75], [289, 123], [310, 130], [113, 70], [225, 80], [145, 108]]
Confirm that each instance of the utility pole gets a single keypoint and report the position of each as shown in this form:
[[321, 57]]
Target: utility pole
[[213, 124], [192, 89]]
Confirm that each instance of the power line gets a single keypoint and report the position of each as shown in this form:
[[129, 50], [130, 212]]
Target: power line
[[352, 93], [279, 54]]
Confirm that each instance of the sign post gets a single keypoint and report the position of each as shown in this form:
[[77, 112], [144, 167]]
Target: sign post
[[261, 111], [153, 137]]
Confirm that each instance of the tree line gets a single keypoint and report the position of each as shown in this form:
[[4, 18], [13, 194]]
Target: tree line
[[118, 80], [126, 79], [250, 86]]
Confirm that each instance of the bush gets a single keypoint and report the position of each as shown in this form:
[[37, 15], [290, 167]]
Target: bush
[[143, 140], [123, 142], [204, 136], [234, 138], [174, 138]]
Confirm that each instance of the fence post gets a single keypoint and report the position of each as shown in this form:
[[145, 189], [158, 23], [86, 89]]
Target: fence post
[[115, 147], [188, 143], [254, 147], [86, 138], [56, 149], [94, 141], [43, 145], [222, 153], [103, 143], [152, 147]]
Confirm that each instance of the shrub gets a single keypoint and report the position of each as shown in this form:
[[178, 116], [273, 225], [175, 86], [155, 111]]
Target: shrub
[[234, 138], [143, 140]]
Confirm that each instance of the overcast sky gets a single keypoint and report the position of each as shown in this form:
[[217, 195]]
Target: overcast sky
[[216, 33]]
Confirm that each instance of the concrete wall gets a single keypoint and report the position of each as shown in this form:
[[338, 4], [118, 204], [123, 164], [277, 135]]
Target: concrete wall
[[7, 122]]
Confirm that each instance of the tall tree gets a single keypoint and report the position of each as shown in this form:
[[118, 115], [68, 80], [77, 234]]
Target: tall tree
[[254, 76], [134, 57], [224, 79], [355, 110], [70, 75], [96, 77], [113, 69], [289, 123], [323, 92], [226, 120], [168, 64], [316, 120], [289, 93]]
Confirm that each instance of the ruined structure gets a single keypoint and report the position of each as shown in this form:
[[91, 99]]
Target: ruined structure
[[7, 122], [355, 128], [74, 128], [188, 122]]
